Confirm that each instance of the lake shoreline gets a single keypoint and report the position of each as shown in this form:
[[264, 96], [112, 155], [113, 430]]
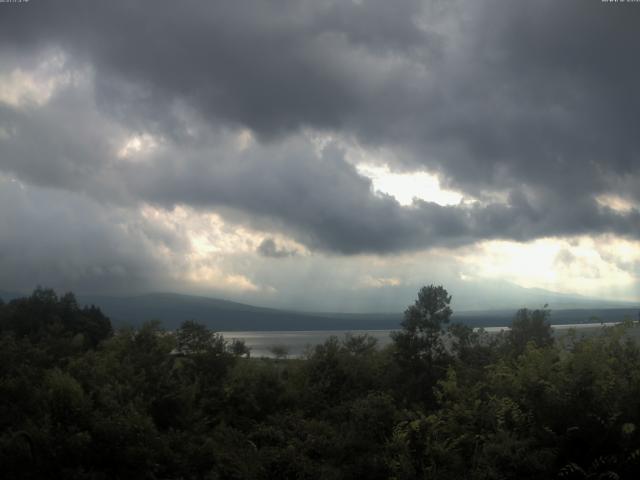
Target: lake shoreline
[[296, 342]]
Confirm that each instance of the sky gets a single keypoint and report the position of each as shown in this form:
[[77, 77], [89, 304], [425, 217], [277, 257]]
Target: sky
[[321, 154]]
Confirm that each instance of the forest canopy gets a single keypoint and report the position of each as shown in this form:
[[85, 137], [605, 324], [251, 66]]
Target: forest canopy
[[79, 400]]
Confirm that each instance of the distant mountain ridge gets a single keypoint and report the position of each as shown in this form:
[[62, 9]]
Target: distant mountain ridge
[[502, 295], [171, 309]]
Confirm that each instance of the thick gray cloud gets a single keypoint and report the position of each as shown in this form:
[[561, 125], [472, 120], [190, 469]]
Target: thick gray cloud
[[272, 66], [269, 248], [534, 102], [62, 239]]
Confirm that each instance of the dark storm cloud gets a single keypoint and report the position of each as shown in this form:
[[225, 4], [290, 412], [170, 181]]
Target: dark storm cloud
[[547, 97], [272, 66], [536, 102], [320, 200], [269, 248], [64, 145], [68, 241]]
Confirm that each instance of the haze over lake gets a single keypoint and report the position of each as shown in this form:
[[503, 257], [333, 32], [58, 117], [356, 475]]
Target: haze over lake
[[298, 343]]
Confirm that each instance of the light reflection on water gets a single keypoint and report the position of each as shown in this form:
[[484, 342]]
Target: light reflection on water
[[296, 343], [559, 328]]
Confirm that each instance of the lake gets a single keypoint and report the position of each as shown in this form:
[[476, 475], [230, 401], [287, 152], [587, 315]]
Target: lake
[[297, 342], [260, 343]]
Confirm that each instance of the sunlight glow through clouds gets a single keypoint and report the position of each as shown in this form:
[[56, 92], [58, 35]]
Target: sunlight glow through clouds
[[211, 241], [616, 203], [404, 187], [136, 146], [370, 281], [213, 277], [374, 165], [22, 88], [604, 267], [244, 139]]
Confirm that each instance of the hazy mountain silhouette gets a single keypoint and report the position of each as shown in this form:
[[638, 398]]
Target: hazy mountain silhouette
[[172, 309], [223, 315]]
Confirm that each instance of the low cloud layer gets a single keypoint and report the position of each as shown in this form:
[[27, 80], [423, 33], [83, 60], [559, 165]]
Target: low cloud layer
[[62, 239]]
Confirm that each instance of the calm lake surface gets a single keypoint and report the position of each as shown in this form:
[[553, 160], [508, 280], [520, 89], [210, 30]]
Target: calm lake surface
[[297, 342]]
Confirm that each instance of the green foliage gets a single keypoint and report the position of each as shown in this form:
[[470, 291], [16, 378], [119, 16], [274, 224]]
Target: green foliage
[[57, 322], [530, 326], [239, 348], [419, 347], [79, 402], [195, 339], [279, 351]]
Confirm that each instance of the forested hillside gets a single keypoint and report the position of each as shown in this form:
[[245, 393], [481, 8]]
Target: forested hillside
[[79, 400]]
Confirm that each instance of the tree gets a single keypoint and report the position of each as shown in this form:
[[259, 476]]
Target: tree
[[420, 338], [239, 348], [530, 326], [279, 351], [419, 346], [194, 338], [359, 344], [45, 315]]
